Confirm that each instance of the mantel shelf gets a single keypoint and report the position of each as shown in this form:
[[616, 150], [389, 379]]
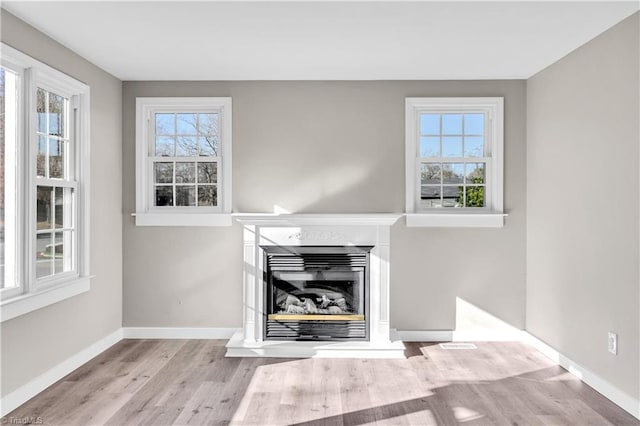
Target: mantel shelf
[[311, 219]]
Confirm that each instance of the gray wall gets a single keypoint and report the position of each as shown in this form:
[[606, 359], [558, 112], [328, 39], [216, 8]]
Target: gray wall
[[325, 147], [38, 341], [582, 204]]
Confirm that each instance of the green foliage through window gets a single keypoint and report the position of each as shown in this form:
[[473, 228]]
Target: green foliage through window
[[474, 194]]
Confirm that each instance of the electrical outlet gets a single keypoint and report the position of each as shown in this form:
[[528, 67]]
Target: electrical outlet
[[612, 343]]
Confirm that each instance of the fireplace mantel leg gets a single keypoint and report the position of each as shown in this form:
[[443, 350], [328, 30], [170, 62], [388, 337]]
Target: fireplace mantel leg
[[250, 283]]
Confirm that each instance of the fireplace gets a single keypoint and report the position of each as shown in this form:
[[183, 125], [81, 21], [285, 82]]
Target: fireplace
[[316, 292], [316, 285]]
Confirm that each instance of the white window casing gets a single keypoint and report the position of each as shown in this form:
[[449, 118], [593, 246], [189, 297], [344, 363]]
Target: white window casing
[[27, 292], [147, 214], [492, 213]]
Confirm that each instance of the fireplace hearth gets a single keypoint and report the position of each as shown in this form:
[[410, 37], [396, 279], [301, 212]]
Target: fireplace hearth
[[316, 292]]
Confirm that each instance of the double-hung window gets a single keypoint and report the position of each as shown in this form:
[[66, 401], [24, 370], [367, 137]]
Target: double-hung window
[[44, 193], [454, 161], [183, 149]]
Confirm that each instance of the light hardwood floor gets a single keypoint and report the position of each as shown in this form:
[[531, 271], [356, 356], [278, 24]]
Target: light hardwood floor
[[180, 382]]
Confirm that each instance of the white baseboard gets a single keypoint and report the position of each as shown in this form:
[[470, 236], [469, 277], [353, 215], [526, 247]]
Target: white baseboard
[[27, 391], [617, 396], [461, 336], [177, 333]]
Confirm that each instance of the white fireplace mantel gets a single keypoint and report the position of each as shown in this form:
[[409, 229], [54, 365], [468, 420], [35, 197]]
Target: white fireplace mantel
[[264, 229]]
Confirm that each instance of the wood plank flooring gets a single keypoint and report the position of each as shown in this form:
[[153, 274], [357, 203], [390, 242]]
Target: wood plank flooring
[[190, 382]]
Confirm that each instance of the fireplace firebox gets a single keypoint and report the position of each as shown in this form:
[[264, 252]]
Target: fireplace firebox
[[316, 292]]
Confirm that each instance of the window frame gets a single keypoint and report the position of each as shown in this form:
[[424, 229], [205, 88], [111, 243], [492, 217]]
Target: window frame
[[147, 214], [33, 293], [492, 214]]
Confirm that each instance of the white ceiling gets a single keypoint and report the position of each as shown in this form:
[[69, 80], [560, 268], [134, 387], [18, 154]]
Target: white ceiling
[[357, 40]]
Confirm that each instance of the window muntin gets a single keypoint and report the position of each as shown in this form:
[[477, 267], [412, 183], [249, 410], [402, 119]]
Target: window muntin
[[453, 160]]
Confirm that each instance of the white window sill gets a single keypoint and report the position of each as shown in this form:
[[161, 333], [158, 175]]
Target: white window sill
[[455, 220], [183, 219], [30, 302]]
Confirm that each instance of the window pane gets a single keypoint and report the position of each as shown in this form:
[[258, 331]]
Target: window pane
[[164, 196], [474, 146], [452, 196], [62, 252], [165, 124], [57, 115], [186, 124], [59, 206], [207, 195], [56, 158], [208, 145], [451, 146], [41, 159], [163, 172], [430, 197], [185, 172], [475, 173], [44, 211], [429, 146], [474, 124], [165, 146], [430, 174], [475, 196], [453, 173], [451, 124], [44, 253], [429, 124], [207, 173], [208, 124], [186, 195], [187, 146], [41, 109]]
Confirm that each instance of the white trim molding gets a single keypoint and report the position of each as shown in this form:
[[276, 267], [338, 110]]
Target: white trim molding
[[177, 333], [27, 391], [622, 399], [488, 335], [490, 216], [456, 220], [20, 305]]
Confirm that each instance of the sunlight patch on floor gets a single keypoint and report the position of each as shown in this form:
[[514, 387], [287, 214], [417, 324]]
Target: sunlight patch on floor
[[463, 414]]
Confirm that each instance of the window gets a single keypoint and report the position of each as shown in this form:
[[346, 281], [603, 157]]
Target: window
[[55, 187], [454, 161], [44, 196], [183, 150]]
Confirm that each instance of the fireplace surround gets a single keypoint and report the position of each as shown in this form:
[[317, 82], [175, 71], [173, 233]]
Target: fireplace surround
[[349, 300]]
